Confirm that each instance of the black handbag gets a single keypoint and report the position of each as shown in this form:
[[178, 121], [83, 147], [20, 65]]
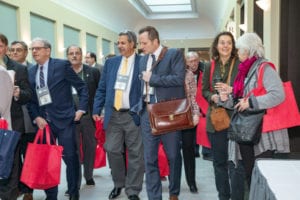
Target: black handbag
[[246, 127]]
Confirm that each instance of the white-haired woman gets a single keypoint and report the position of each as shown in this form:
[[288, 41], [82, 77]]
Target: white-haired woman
[[6, 88], [251, 54]]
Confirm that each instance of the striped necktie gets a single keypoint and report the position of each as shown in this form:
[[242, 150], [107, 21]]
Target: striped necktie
[[42, 78]]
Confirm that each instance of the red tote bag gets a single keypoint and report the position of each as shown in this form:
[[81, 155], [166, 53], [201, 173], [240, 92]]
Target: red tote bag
[[42, 164], [201, 133], [163, 163], [3, 124], [284, 115], [100, 155]]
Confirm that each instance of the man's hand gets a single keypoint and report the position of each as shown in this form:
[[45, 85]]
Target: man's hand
[[98, 117], [41, 122], [16, 92], [78, 115], [146, 76]]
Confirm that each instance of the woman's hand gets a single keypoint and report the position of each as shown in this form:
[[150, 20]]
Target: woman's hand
[[224, 97], [242, 105], [195, 119], [223, 88], [215, 98]]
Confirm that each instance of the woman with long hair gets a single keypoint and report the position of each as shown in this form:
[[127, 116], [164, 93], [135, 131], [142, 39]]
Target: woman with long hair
[[229, 180]]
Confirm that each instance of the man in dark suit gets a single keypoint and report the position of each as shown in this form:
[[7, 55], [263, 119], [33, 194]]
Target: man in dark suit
[[21, 95], [52, 103], [166, 82], [18, 52], [91, 60], [85, 130], [118, 91]]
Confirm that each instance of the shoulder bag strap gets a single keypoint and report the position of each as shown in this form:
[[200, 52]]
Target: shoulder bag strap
[[212, 69], [160, 57], [260, 76], [230, 71], [261, 73]]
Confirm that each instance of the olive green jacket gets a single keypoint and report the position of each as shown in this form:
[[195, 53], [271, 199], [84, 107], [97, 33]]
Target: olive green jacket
[[206, 89]]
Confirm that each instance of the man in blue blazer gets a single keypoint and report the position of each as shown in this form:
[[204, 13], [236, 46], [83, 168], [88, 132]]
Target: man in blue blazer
[[118, 90], [52, 103], [166, 82]]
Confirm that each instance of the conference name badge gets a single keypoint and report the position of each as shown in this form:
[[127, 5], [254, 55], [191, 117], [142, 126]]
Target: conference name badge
[[122, 82], [44, 96]]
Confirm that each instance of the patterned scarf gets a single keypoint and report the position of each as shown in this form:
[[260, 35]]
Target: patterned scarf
[[238, 85]]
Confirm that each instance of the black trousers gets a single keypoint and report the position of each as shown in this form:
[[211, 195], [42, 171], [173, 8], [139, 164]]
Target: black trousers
[[248, 159], [188, 141], [25, 139]]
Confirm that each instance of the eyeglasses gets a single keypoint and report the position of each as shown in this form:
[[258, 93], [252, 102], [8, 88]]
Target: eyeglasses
[[37, 48], [77, 53], [18, 50]]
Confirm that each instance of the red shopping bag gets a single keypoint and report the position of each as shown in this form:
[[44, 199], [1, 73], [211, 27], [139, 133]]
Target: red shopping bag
[[42, 164], [3, 124], [284, 115], [100, 155], [201, 101], [163, 163], [201, 133]]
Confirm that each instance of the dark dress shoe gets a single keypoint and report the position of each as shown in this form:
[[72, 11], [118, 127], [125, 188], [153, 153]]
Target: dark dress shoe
[[27, 196], [114, 193], [90, 182], [74, 197], [193, 189], [133, 197]]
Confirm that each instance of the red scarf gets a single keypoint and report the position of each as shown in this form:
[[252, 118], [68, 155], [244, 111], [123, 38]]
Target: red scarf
[[238, 85]]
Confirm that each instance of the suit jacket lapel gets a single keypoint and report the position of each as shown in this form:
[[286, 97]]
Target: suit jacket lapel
[[115, 68], [50, 71], [85, 74]]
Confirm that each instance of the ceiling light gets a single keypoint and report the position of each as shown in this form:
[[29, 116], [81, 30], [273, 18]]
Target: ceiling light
[[171, 8], [264, 4], [166, 2]]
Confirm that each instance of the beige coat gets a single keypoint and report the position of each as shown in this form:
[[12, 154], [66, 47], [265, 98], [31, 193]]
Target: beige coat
[[6, 88]]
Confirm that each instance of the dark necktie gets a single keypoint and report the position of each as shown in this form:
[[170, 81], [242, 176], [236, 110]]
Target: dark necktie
[[153, 59], [42, 78]]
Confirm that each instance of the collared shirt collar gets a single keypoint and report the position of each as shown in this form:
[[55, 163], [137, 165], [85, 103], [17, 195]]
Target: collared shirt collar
[[130, 58], [157, 51]]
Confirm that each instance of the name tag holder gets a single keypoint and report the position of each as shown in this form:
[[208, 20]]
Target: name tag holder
[[121, 82], [43, 96]]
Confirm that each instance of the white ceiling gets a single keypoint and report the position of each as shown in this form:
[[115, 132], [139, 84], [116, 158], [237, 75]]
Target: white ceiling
[[118, 15]]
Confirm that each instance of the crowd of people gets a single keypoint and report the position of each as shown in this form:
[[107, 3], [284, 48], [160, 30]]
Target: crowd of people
[[69, 96]]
